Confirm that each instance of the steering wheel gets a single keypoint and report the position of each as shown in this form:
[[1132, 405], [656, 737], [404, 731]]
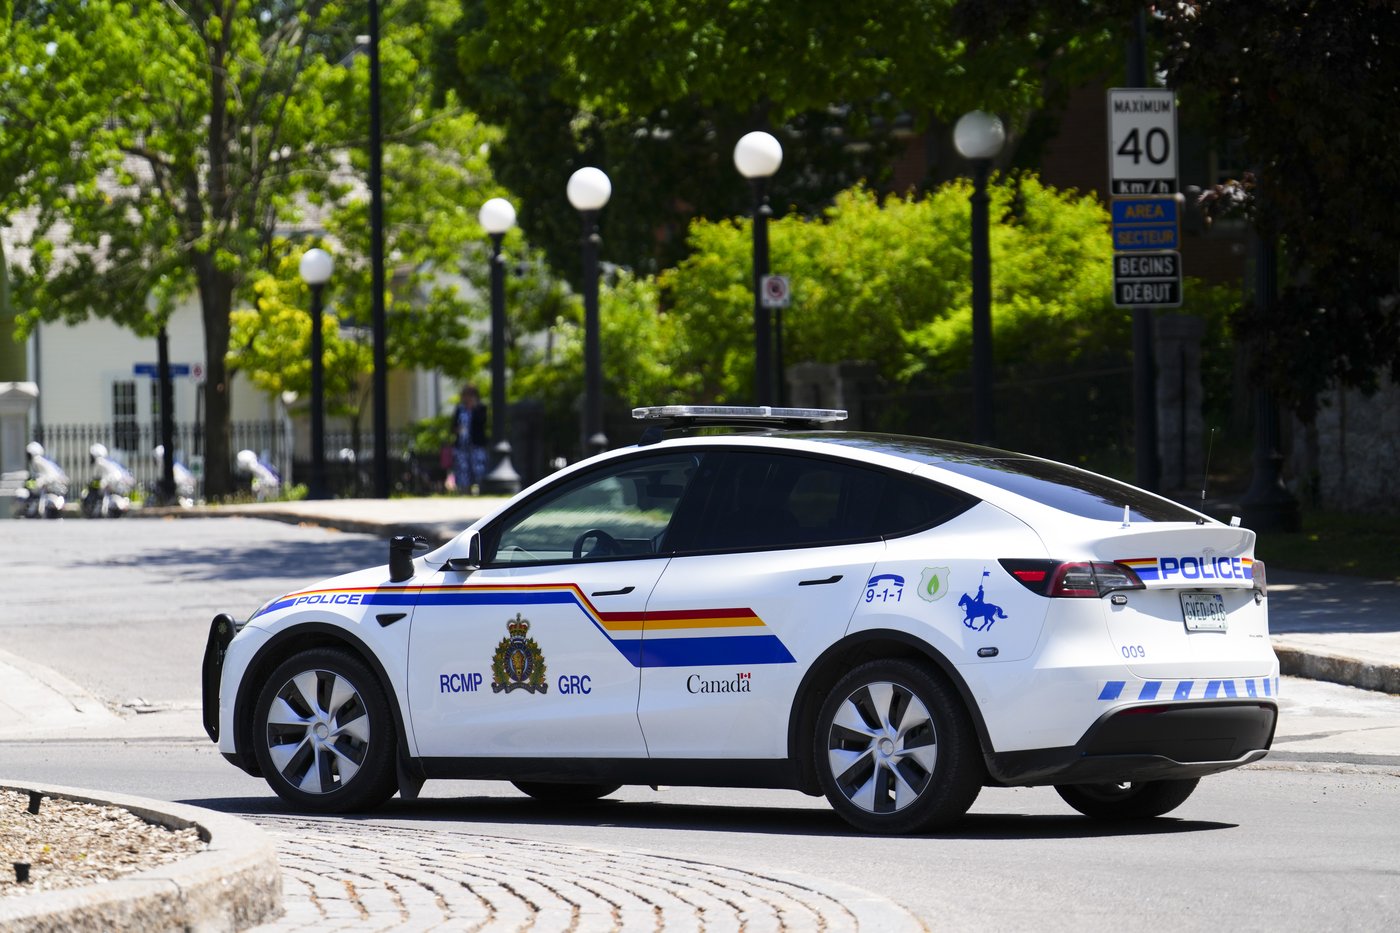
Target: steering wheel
[[606, 545]]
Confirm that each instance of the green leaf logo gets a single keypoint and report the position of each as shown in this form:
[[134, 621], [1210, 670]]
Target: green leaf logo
[[933, 585]]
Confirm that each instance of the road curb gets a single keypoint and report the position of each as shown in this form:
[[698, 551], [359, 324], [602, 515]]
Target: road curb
[[1338, 669], [233, 885]]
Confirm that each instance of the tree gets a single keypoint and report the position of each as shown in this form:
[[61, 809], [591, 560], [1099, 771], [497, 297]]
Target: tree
[[840, 84], [1305, 87], [211, 126], [1299, 89]]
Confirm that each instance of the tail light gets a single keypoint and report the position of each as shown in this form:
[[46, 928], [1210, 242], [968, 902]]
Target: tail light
[[1073, 579]]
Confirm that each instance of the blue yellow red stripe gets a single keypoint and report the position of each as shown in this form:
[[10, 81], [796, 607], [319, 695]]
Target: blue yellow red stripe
[[656, 646], [1192, 569]]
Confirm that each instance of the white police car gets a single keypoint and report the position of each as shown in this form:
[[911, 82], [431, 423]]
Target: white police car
[[892, 621]]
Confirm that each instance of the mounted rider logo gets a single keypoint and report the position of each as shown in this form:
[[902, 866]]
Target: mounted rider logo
[[977, 607], [518, 663]]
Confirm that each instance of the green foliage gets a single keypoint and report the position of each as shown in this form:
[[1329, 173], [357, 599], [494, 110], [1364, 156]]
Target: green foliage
[[640, 349], [168, 147], [657, 92], [889, 283]]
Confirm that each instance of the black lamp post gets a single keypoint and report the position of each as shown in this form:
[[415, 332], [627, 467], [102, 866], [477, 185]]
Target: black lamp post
[[377, 274], [316, 267], [979, 137], [497, 216], [589, 190], [1267, 505], [757, 156]]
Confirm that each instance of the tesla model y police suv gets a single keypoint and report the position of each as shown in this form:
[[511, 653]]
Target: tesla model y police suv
[[894, 622]]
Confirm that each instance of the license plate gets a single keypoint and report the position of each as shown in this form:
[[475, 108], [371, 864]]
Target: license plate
[[1203, 612]]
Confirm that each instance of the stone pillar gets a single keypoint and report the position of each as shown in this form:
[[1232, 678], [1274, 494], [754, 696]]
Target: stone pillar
[[831, 385], [16, 401], [1180, 425]]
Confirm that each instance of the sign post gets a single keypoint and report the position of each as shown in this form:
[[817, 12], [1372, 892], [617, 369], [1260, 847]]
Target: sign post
[[776, 295], [1142, 171]]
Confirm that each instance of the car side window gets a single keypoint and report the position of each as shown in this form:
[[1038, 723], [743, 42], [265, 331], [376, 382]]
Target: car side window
[[620, 510], [761, 500]]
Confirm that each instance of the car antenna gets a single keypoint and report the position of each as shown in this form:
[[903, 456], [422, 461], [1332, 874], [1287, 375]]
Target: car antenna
[[1205, 473]]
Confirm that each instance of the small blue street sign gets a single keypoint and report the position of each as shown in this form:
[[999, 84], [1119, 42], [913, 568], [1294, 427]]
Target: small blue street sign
[[153, 369], [1146, 223]]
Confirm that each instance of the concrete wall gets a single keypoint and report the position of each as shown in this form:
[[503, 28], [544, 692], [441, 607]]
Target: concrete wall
[[1348, 458]]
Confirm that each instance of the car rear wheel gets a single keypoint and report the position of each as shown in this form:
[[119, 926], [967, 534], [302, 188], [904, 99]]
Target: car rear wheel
[[323, 733], [1127, 800], [564, 793], [895, 749]]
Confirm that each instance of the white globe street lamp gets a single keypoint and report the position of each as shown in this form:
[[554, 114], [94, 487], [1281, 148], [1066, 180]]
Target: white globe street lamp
[[588, 191], [757, 156], [316, 267], [497, 216], [979, 136]]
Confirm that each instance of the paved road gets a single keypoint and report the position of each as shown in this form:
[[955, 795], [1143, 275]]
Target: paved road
[[121, 609]]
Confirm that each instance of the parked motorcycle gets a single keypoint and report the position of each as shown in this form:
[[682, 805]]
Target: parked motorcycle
[[267, 483], [44, 493], [184, 479], [108, 493]]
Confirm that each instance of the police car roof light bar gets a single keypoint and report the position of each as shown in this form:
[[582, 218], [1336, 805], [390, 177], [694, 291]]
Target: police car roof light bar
[[738, 414]]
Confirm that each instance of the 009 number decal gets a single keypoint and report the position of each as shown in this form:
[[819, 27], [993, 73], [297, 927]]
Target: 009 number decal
[[1134, 651]]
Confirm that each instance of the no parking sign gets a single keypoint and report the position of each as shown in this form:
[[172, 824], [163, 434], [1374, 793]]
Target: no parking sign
[[777, 291]]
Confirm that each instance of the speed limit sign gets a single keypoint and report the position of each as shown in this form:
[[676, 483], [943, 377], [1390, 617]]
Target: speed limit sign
[[1141, 141], [777, 291]]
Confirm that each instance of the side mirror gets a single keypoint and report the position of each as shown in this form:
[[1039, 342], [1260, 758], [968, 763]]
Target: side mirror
[[473, 559], [401, 548]]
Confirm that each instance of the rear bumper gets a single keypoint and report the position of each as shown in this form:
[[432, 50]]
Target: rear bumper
[[1149, 742]]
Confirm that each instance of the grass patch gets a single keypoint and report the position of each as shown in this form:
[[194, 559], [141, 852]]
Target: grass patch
[[1333, 542]]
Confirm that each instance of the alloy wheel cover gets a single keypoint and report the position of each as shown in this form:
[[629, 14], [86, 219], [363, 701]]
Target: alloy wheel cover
[[318, 731], [882, 747]]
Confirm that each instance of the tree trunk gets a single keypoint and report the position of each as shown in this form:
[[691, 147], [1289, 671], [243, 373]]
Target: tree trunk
[[216, 301]]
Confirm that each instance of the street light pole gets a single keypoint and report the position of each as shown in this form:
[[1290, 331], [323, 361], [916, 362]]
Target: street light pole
[[165, 484], [376, 249], [497, 216], [588, 191], [979, 137], [316, 267], [757, 156]]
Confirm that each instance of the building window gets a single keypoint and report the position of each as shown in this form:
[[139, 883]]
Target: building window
[[126, 433]]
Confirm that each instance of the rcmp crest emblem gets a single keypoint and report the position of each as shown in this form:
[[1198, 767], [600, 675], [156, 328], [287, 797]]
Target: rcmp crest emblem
[[518, 663]]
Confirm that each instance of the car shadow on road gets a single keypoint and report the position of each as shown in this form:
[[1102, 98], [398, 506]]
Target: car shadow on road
[[489, 815], [334, 554]]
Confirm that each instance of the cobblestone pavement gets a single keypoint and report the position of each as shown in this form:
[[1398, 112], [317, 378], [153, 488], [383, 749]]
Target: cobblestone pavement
[[351, 876]]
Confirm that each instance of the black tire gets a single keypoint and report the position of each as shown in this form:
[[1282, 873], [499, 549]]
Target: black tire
[[1127, 800], [895, 749], [323, 713], [564, 793]]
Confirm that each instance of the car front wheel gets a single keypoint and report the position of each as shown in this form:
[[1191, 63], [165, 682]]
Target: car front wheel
[[895, 750], [323, 733], [1127, 800]]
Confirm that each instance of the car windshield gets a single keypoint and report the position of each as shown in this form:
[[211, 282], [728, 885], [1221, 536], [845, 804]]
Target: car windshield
[[1062, 487]]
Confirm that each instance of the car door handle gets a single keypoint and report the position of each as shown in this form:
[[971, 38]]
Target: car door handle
[[834, 578], [622, 592]]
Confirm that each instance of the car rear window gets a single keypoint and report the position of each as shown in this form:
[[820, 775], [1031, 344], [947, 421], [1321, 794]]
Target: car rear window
[[1057, 485]]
